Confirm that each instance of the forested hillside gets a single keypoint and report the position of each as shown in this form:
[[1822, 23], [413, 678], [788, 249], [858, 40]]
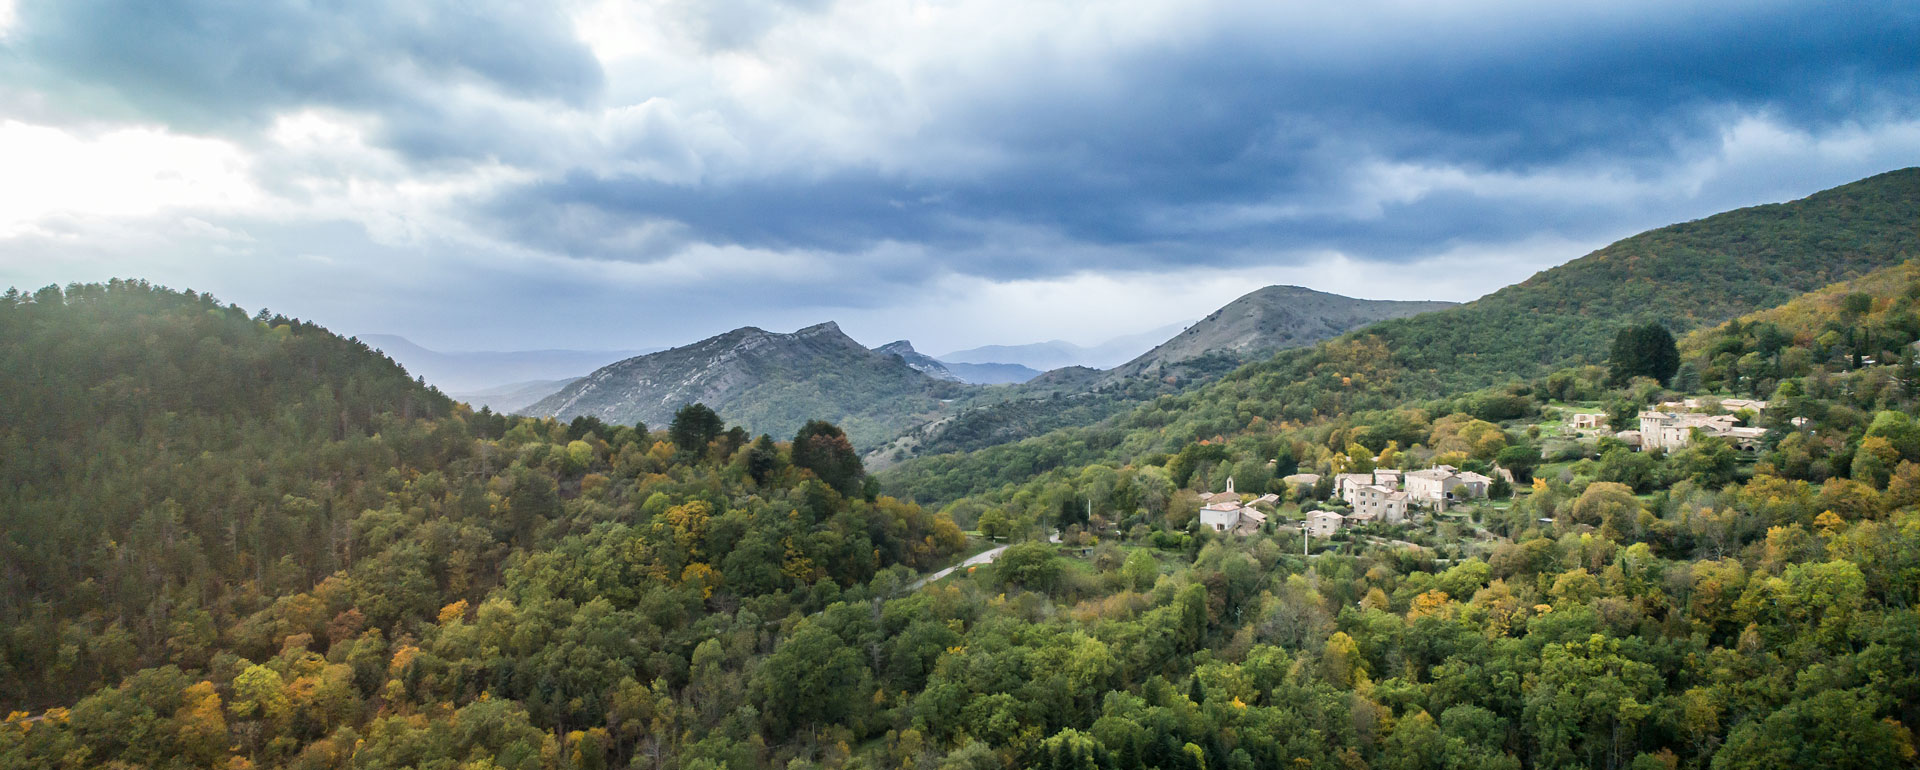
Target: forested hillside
[[1265, 320], [1867, 319], [1686, 276], [164, 454], [272, 548]]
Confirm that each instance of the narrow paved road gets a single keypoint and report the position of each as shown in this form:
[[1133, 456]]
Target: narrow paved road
[[983, 557]]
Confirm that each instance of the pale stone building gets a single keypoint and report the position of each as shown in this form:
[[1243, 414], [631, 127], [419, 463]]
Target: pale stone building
[[1379, 503], [1324, 523], [1232, 517], [1436, 485], [1346, 485], [1674, 430], [1588, 421]]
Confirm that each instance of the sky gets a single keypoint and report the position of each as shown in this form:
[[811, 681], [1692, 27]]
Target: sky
[[483, 175]]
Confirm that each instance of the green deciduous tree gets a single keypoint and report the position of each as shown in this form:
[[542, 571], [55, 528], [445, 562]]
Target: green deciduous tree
[[823, 448], [1833, 729]]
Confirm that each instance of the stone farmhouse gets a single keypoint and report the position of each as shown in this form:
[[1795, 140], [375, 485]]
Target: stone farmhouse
[[1674, 430], [1727, 404], [1440, 484], [1324, 523], [1588, 421], [1346, 484], [1377, 502]]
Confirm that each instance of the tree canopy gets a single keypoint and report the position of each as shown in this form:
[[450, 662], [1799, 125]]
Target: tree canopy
[[1645, 350]]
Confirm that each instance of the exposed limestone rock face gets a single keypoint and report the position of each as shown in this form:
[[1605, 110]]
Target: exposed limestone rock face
[[765, 381]]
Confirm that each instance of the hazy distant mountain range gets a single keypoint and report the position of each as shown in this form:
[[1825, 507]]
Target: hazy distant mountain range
[[1054, 354], [975, 373], [513, 396], [475, 371], [1249, 328]]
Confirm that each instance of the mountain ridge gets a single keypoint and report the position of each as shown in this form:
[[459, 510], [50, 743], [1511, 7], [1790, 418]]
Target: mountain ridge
[[1055, 354], [768, 382], [921, 362], [1260, 321], [1271, 318]]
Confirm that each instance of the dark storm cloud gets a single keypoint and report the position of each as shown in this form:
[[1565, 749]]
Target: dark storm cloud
[[1261, 115], [1259, 134], [216, 66]]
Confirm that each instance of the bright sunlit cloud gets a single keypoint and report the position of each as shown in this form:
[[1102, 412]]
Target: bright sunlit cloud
[[126, 172]]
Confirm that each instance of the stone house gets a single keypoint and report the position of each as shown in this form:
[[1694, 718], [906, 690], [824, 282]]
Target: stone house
[[1346, 485], [1588, 421], [1231, 517], [1324, 523], [1379, 503], [1674, 430], [1436, 485]]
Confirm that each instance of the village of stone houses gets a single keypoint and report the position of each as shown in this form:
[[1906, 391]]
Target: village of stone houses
[[1442, 506]]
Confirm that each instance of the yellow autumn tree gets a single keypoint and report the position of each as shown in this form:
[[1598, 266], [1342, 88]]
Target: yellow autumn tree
[[452, 612], [702, 575], [1340, 660], [688, 523], [1465, 435], [201, 725], [1500, 610], [1435, 603]]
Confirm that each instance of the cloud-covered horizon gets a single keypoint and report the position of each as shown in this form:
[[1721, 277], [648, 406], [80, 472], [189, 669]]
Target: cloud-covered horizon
[[489, 175]]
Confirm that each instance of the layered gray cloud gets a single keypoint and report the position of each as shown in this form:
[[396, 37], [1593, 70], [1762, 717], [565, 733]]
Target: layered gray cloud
[[1169, 142], [874, 159]]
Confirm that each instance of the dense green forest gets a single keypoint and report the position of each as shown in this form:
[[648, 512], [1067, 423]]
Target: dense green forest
[[254, 535], [1685, 276]]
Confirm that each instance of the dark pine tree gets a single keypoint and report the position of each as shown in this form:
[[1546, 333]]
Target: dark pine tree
[[762, 459], [1647, 350], [694, 426]]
